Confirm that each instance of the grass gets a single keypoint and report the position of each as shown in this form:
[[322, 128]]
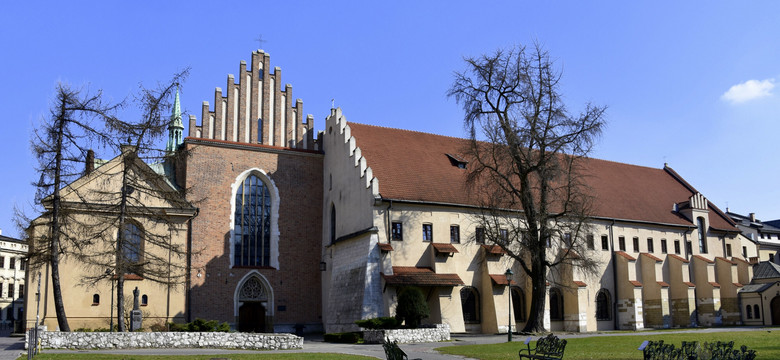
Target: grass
[[625, 346], [291, 356]]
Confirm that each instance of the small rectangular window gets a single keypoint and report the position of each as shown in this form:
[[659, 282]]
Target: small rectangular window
[[427, 232], [677, 247], [567, 239], [398, 230], [504, 233], [11, 290], [636, 244], [455, 234], [12, 263], [728, 250], [744, 251], [21, 290], [622, 243], [650, 245], [604, 242], [664, 248], [591, 242], [479, 235], [2, 262]]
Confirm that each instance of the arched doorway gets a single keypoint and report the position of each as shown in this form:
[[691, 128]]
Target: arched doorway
[[775, 305], [253, 299]]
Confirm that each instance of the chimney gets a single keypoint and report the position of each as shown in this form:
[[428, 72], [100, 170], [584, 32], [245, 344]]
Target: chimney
[[89, 165], [752, 217]]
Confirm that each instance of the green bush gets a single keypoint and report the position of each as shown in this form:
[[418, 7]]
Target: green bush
[[343, 338], [379, 323], [412, 307], [201, 325]]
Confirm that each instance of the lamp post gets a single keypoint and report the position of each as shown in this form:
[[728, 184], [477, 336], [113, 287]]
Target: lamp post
[[508, 275]]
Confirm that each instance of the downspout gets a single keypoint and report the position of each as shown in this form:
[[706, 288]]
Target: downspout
[[614, 276]]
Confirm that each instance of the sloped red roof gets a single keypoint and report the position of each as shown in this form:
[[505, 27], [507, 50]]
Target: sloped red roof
[[500, 279], [419, 276], [652, 257], [635, 283], [676, 257], [493, 249], [702, 258], [414, 166], [580, 283], [444, 248], [623, 254], [385, 247], [663, 284]]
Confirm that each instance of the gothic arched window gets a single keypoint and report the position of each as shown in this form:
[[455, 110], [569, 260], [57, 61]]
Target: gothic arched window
[[252, 230], [702, 235], [749, 311], [756, 312], [556, 304], [602, 305], [132, 249], [469, 300]]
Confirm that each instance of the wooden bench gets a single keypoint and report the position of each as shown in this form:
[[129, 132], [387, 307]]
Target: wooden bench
[[547, 348]]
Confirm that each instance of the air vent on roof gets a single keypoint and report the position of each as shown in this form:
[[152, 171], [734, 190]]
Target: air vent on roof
[[457, 161]]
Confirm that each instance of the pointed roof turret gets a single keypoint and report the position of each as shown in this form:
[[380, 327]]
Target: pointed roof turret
[[175, 127]]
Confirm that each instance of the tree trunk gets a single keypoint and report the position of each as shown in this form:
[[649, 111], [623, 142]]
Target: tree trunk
[[54, 245], [535, 321]]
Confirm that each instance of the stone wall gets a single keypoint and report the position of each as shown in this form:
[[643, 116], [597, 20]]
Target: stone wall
[[136, 340], [441, 332]]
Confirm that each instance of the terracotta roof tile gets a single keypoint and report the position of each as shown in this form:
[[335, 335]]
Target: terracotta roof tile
[[702, 258], [444, 248], [714, 284], [623, 254], [676, 257], [635, 283], [663, 284], [410, 275], [690, 284], [500, 279], [652, 257], [385, 247], [494, 249], [580, 283], [726, 260], [738, 284], [617, 187]]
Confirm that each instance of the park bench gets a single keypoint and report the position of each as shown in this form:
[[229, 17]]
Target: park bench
[[547, 348]]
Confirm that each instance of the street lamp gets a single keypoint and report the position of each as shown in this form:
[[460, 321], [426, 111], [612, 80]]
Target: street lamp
[[508, 275]]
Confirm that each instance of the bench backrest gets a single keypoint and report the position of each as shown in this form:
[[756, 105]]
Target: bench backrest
[[550, 345]]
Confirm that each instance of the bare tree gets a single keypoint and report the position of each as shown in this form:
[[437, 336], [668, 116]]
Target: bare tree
[[140, 217], [527, 153], [59, 145]]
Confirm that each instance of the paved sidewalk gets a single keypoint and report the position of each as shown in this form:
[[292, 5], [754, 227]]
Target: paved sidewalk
[[315, 344]]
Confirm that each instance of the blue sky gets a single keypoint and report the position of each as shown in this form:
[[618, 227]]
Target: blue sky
[[691, 84]]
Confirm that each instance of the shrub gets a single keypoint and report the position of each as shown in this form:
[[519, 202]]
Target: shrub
[[412, 307], [343, 338], [201, 325], [379, 323]]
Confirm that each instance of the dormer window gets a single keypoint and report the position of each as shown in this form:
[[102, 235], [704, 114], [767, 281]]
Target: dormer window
[[457, 161]]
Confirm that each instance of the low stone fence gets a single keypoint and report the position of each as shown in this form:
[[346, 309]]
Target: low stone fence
[[439, 332], [136, 340]]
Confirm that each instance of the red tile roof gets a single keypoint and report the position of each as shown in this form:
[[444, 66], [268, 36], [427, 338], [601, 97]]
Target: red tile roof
[[623, 254], [635, 283], [410, 275], [621, 191], [385, 247], [652, 257], [500, 279], [738, 284], [494, 249], [702, 258], [726, 260], [444, 248], [714, 284], [690, 284], [673, 256], [663, 284], [580, 283]]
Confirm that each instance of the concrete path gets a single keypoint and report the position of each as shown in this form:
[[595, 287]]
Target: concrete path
[[314, 344]]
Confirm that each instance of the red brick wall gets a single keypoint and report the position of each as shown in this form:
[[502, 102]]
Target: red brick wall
[[210, 172]]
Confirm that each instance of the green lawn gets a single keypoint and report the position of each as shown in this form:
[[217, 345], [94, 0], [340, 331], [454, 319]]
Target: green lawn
[[291, 356], [766, 344]]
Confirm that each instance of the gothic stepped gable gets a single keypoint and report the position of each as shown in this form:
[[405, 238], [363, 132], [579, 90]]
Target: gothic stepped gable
[[256, 110]]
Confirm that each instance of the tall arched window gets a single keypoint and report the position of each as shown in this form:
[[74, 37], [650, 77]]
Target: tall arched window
[[702, 235], [602, 305], [132, 249], [332, 223], [518, 303], [556, 304], [252, 231], [756, 313], [469, 300], [749, 310]]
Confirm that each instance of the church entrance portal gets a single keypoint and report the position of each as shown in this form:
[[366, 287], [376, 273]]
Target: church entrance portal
[[775, 305], [251, 317], [253, 299]]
